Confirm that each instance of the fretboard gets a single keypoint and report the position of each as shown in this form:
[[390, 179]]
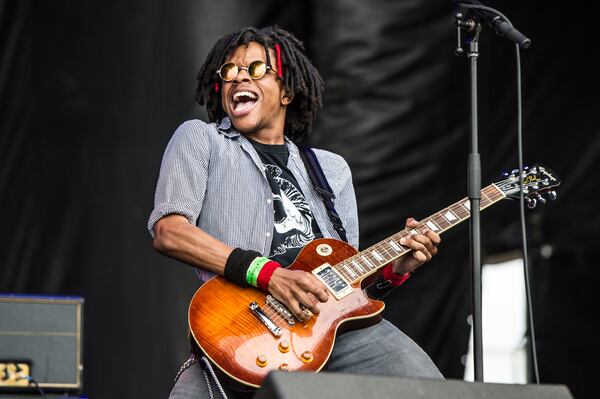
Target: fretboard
[[376, 256]]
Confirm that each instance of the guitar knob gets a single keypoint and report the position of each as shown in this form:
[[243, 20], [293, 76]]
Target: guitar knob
[[284, 367], [552, 195], [531, 202], [307, 357], [284, 346], [261, 360]]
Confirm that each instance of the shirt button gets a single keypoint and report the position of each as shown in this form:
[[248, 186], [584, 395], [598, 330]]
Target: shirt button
[[268, 234], [269, 201]]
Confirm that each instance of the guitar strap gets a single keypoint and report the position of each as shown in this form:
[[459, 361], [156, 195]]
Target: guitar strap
[[321, 186], [380, 288]]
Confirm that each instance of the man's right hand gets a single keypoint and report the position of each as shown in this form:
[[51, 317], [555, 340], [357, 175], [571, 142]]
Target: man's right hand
[[295, 287]]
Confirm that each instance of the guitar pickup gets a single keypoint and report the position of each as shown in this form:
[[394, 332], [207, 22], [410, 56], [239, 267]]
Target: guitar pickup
[[260, 314], [338, 286]]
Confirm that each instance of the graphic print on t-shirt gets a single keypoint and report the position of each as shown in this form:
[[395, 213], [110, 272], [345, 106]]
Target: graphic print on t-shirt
[[293, 218]]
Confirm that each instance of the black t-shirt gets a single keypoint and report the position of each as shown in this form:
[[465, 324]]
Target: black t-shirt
[[294, 225]]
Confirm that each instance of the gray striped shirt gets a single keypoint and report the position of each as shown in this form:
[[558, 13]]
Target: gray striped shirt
[[212, 175]]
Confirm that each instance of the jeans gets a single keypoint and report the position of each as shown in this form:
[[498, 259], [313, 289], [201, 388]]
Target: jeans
[[381, 349]]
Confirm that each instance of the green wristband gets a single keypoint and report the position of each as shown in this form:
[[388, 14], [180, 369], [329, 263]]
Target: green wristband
[[254, 270]]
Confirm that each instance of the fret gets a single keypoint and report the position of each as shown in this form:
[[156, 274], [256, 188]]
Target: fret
[[386, 251], [431, 224], [376, 263], [368, 262], [377, 255], [450, 216], [439, 220], [467, 205], [460, 211], [349, 270], [393, 252], [344, 272], [358, 266], [396, 247], [496, 194], [485, 200]]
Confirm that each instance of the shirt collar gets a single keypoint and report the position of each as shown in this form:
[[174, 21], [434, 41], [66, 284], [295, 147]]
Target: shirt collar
[[226, 128]]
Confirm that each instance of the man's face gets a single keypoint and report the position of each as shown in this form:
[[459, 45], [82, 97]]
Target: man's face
[[257, 105]]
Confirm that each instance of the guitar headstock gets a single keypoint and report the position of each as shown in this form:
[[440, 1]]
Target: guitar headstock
[[538, 185]]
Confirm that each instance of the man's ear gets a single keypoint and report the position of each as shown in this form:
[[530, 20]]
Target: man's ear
[[286, 98]]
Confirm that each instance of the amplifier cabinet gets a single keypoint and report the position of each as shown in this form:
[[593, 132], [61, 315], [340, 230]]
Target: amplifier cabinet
[[41, 336]]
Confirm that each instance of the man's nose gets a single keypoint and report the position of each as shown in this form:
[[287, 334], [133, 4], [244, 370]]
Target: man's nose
[[242, 76]]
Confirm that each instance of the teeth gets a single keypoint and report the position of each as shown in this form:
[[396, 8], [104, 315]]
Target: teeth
[[248, 94]]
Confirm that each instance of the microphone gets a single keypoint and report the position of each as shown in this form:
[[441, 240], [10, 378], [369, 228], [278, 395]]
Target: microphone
[[497, 22]]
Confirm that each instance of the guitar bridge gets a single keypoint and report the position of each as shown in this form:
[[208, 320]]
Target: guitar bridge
[[260, 314]]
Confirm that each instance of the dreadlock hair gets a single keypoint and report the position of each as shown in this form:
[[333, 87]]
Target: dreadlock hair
[[300, 78]]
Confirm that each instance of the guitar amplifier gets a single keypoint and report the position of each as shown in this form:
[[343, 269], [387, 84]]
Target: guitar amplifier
[[40, 339]]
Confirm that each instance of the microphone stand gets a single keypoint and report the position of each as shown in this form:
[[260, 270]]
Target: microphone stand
[[472, 26]]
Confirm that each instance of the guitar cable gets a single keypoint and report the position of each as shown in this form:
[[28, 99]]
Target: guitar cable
[[522, 195], [35, 383]]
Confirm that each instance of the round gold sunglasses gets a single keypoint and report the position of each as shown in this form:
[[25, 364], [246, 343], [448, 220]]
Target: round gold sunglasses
[[256, 70]]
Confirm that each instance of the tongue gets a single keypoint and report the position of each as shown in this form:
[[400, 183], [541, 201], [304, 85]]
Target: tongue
[[243, 105]]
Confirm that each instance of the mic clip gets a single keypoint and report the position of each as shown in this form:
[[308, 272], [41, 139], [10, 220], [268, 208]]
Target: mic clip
[[470, 26]]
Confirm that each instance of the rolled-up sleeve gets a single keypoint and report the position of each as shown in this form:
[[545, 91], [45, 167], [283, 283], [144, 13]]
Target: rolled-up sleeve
[[183, 175]]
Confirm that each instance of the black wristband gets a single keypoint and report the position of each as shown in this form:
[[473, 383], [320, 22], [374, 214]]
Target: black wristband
[[237, 265]]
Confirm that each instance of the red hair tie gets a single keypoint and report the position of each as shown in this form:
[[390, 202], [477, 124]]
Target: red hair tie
[[216, 87], [279, 68]]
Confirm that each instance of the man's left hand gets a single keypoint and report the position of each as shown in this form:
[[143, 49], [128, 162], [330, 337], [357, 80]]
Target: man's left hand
[[424, 247]]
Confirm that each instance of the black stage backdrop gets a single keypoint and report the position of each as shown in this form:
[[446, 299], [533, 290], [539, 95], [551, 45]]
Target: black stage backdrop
[[90, 94]]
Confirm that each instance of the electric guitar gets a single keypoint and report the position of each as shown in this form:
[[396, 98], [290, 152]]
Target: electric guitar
[[247, 333]]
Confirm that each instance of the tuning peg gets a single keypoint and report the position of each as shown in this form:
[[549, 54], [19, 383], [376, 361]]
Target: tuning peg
[[540, 198], [552, 195], [512, 172], [531, 202]]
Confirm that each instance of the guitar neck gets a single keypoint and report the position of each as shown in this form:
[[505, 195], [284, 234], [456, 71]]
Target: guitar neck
[[377, 256]]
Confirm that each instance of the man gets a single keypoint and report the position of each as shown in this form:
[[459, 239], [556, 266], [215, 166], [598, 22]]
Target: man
[[234, 198]]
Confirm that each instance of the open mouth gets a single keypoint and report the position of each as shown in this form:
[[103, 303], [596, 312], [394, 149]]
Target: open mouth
[[243, 102]]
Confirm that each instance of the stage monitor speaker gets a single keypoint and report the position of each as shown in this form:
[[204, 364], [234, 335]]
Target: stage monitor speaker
[[41, 338], [282, 385]]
